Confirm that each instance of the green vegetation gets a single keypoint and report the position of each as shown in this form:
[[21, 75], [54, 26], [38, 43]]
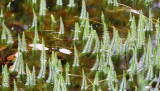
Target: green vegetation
[[87, 45]]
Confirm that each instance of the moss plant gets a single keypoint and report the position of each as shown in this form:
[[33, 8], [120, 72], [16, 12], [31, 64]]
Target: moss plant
[[133, 31], [3, 36], [9, 6], [86, 29], [102, 18], [106, 38], [110, 79], [53, 69], [89, 44], [43, 61], [97, 44], [77, 30], [95, 67], [34, 4], [148, 2], [157, 31], [5, 76], [24, 44], [128, 44], [157, 88], [60, 84], [12, 18], [71, 3], [21, 66], [148, 56], [33, 79], [67, 80], [76, 57], [83, 21], [115, 3], [1, 15], [16, 63], [19, 42], [95, 83], [34, 1], [60, 66], [150, 24], [34, 22], [9, 36], [83, 10], [15, 85], [36, 36], [116, 43], [133, 67], [140, 32], [53, 25], [30, 79], [59, 2], [110, 2], [101, 67], [42, 10], [130, 18], [141, 82], [61, 30], [123, 83], [51, 72], [150, 72], [84, 82]]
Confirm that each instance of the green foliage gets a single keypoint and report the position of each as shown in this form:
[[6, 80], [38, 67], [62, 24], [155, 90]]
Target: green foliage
[[16, 63], [150, 24], [53, 19], [76, 31], [21, 66], [106, 38], [116, 45], [59, 2], [157, 31], [67, 74], [42, 10], [43, 61], [140, 31], [86, 29], [84, 81], [61, 30], [15, 86], [115, 3], [133, 67], [83, 10], [123, 83], [53, 68], [3, 36], [95, 67], [24, 44], [34, 22], [34, 1], [71, 3], [5, 76], [76, 57], [96, 44], [1, 15], [30, 80], [9, 36]]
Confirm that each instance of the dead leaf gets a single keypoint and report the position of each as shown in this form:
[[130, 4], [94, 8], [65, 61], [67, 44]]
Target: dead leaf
[[2, 48], [65, 51], [11, 56], [10, 68]]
